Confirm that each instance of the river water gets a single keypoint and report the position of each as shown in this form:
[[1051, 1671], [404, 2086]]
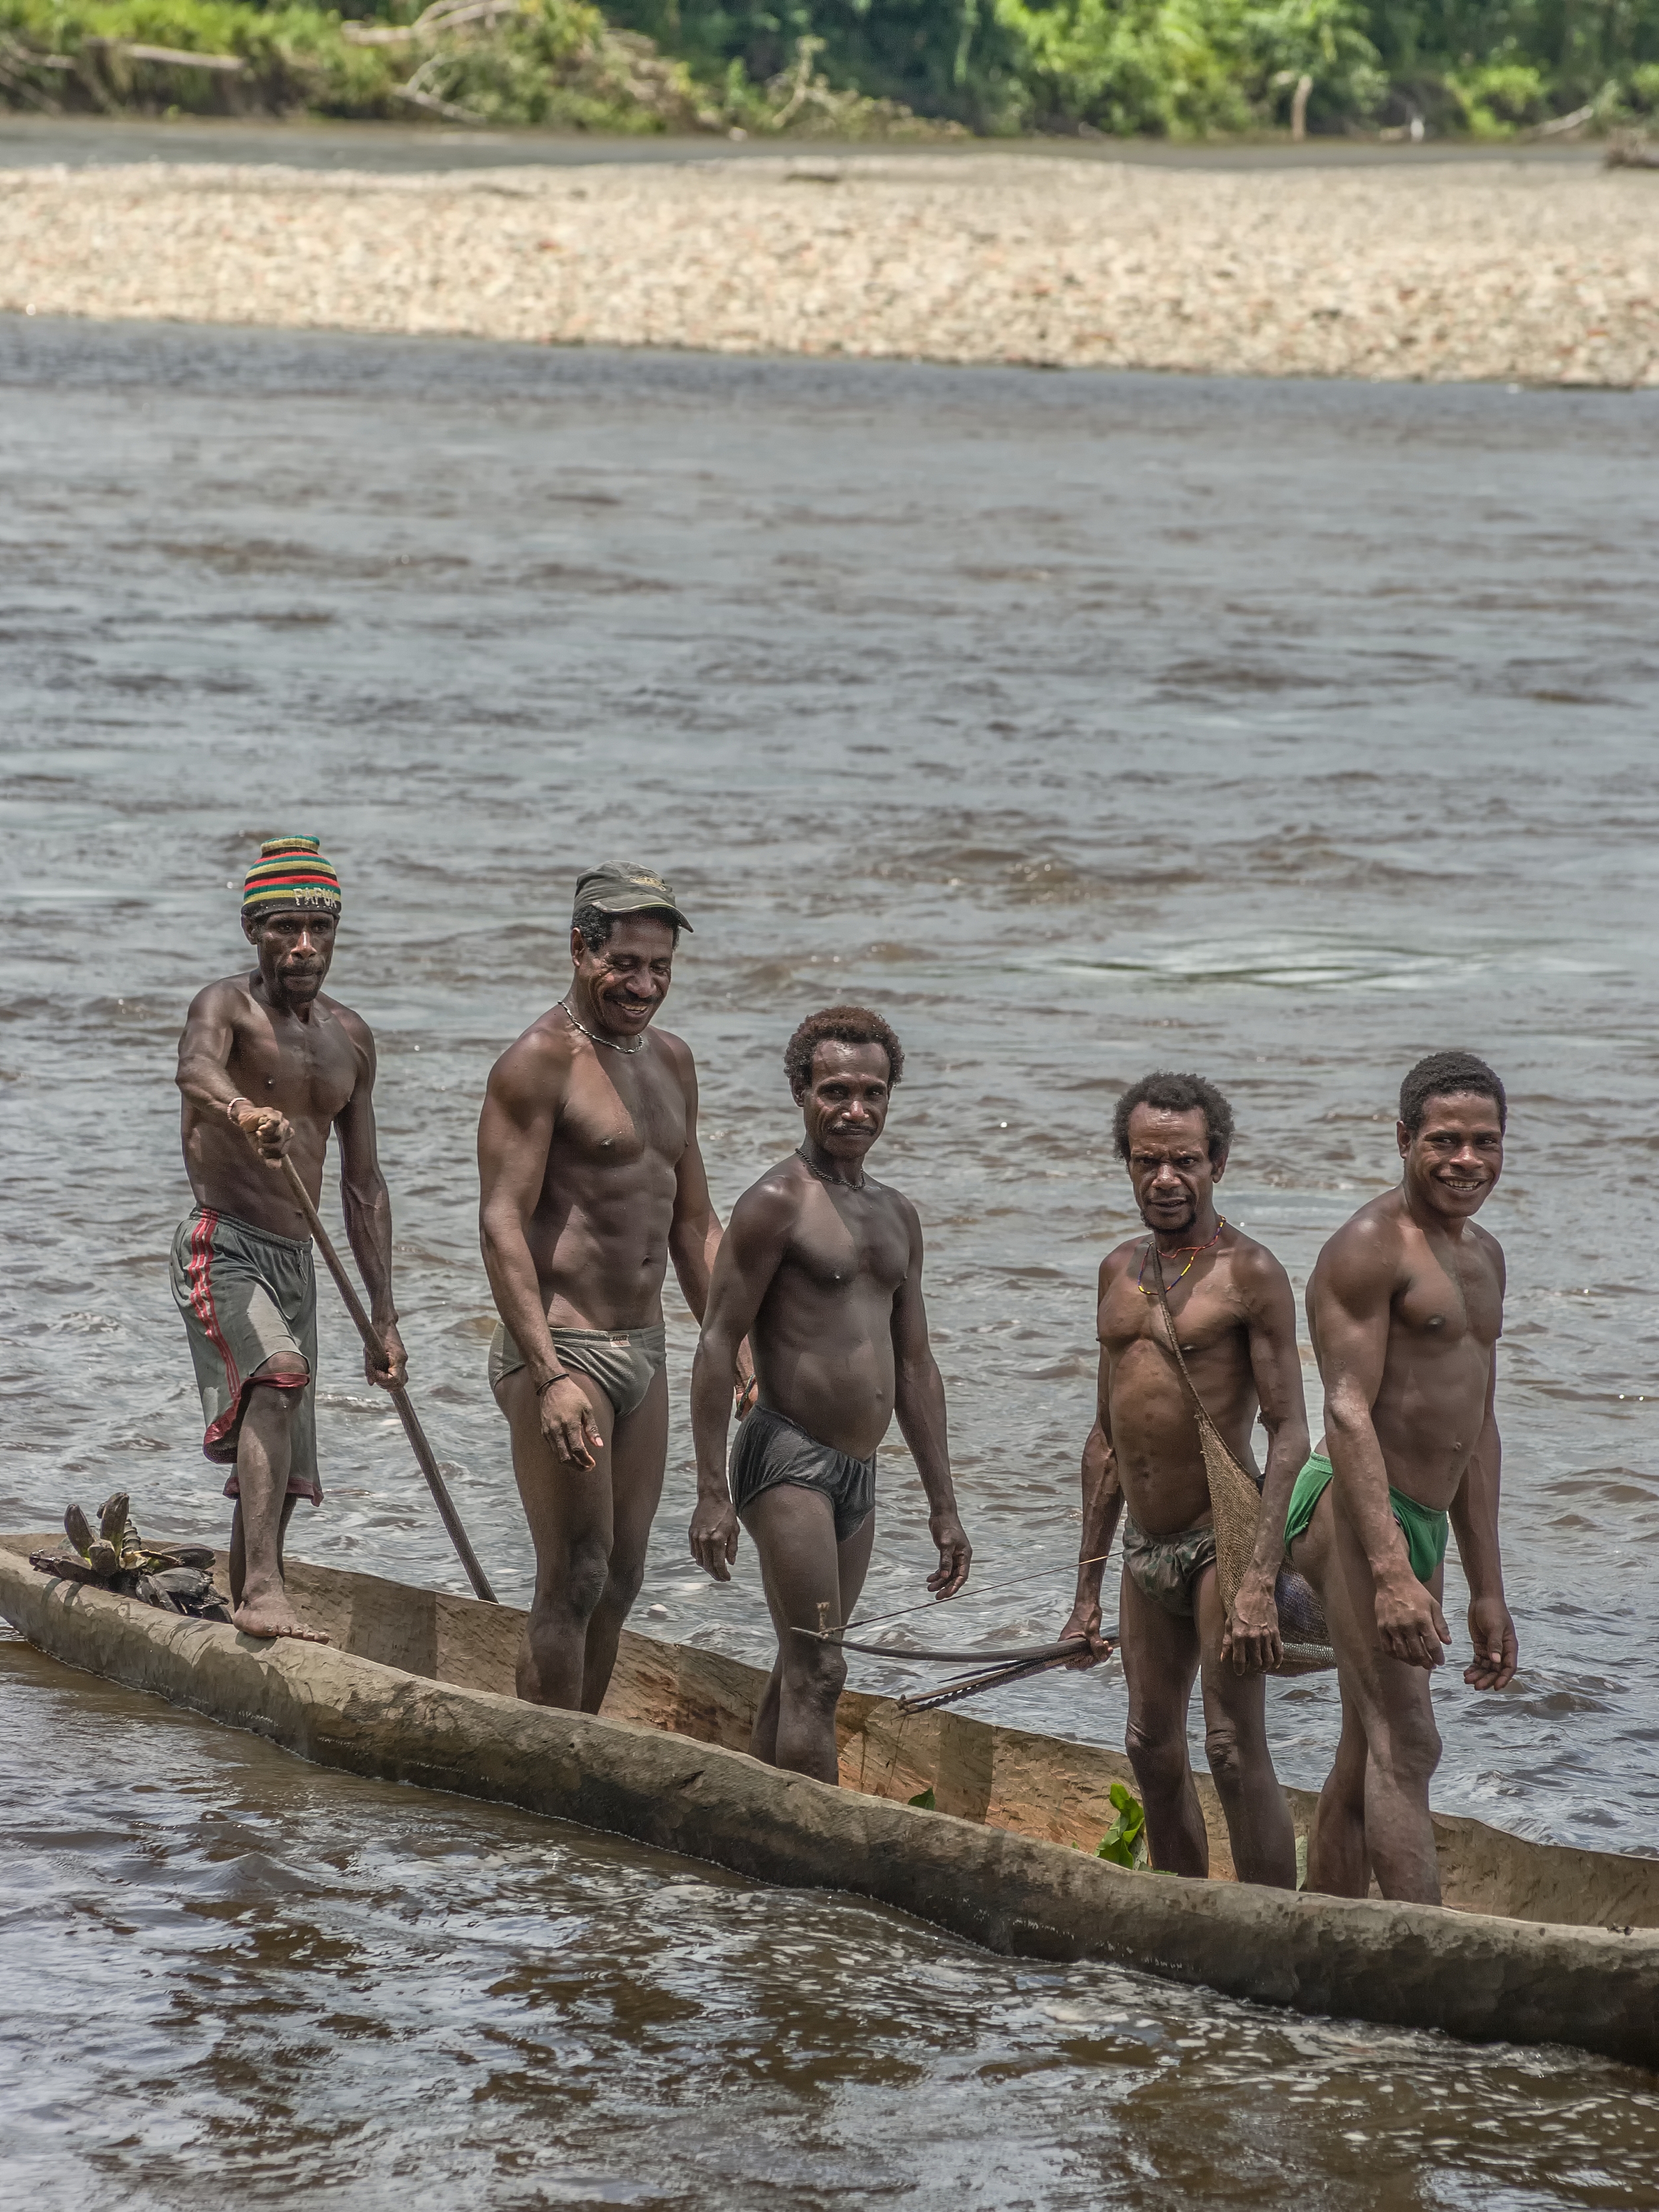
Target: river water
[[1083, 724]]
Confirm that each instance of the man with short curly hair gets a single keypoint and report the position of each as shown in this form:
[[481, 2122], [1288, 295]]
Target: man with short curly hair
[[821, 1268], [1406, 1306]]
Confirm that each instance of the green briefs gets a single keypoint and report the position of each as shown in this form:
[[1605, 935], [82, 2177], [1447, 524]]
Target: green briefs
[[1423, 1530], [246, 1293], [623, 1362]]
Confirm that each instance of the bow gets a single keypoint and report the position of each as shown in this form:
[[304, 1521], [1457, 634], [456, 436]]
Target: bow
[[1026, 1656]]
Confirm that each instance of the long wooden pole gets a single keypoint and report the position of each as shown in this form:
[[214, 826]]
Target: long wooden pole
[[399, 1397]]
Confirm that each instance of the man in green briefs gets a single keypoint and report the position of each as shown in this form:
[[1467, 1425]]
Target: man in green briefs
[[1405, 1306]]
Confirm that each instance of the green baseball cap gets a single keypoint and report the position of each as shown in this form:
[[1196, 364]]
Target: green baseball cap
[[616, 887]]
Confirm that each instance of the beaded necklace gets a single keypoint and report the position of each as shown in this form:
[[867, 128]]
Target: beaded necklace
[[1194, 1248]]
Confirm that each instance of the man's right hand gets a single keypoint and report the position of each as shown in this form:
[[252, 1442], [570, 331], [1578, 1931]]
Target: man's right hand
[[1410, 1626], [1085, 1622], [714, 1537], [270, 1133], [567, 1422]]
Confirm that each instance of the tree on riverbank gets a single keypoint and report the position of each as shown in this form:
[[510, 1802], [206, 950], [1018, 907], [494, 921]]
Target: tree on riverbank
[[858, 68]]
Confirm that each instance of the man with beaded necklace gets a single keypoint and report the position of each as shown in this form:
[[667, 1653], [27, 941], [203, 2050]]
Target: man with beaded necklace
[[591, 1181], [1232, 1306]]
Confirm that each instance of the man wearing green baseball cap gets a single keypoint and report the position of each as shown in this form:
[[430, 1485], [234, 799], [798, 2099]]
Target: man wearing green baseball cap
[[591, 1182]]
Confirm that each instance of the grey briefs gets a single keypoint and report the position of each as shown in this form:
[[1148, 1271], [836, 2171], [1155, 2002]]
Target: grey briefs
[[623, 1362], [769, 1450], [1166, 1569]]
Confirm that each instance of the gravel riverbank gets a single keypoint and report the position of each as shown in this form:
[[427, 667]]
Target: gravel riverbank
[[1515, 272]]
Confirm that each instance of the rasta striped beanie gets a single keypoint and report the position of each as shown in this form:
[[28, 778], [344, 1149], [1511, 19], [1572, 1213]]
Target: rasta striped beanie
[[290, 872]]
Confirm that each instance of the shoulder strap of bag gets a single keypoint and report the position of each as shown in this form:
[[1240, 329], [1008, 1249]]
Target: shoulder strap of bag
[[1157, 1260]]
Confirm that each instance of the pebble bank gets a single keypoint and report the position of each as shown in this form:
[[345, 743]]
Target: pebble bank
[[1516, 271]]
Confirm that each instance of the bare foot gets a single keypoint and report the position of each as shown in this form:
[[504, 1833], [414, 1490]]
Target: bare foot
[[272, 1617]]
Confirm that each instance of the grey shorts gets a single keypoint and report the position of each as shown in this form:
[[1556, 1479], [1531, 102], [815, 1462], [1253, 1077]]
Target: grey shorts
[[246, 1294], [623, 1362], [769, 1450]]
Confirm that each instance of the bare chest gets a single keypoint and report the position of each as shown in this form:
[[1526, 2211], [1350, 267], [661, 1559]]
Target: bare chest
[[859, 1242], [1452, 1300], [308, 1069], [617, 1117], [1208, 1321]]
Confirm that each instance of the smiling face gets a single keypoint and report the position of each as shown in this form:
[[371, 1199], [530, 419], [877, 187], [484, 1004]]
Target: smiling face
[[295, 949], [1456, 1156], [844, 1104], [627, 978], [1170, 1169]]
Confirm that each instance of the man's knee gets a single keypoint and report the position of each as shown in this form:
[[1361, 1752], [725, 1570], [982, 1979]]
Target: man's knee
[[1157, 1753], [816, 1675], [624, 1579], [275, 1391], [1226, 1755], [576, 1581], [1409, 1747]]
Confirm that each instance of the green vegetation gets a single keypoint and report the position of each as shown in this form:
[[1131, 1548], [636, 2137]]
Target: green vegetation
[[861, 68], [556, 64], [1124, 1842], [1185, 68]]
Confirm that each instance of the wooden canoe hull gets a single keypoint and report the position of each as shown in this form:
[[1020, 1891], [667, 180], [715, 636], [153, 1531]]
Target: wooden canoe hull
[[424, 1710], [1040, 1786]]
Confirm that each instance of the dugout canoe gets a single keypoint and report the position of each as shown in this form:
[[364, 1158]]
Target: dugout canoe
[[1535, 1944]]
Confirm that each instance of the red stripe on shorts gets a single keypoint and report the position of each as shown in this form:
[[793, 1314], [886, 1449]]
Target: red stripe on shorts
[[199, 1277]]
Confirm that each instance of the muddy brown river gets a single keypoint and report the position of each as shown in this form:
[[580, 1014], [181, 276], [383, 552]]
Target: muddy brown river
[[1085, 724]]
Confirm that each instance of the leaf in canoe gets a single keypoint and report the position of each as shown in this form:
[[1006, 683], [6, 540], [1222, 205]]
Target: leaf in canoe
[[78, 1529], [102, 1554], [923, 1800], [112, 1518], [1124, 1842]]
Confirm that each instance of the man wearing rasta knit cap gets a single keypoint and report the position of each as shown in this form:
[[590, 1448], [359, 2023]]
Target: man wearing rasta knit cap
[[267, 1065], [591, 1183]]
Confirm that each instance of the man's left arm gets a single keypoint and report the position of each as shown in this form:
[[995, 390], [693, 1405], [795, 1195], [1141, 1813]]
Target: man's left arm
[[694, 1234], [366, 1205], [1474, 1517], [919, 1404], [1251, 1638]]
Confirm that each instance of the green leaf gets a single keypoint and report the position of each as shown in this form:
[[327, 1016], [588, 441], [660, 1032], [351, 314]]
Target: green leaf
[[1124, 1842], [923, 1800]]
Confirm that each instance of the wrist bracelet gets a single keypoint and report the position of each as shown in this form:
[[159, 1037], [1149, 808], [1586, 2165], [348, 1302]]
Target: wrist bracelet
[[561, 1376], [238, 1100]]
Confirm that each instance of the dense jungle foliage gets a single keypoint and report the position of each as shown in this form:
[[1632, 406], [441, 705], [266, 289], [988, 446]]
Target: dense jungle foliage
[[1189, 67], [858, 67]]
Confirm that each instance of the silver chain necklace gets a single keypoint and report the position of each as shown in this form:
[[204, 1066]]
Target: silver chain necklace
[[840, 1181], [638, 1044]]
